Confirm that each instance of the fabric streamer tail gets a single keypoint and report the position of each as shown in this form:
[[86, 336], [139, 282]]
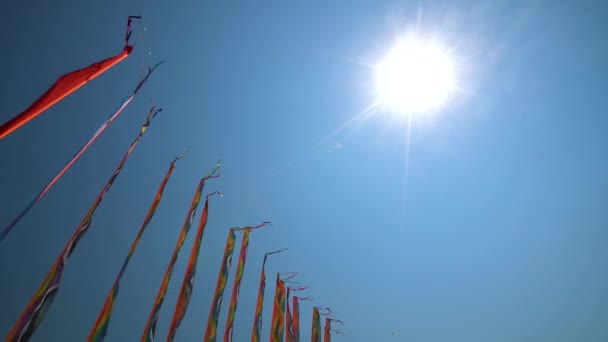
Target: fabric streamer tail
[[78, 154], [287, 276], [150, 329], [316, 325], [66, 85], [257, 321], [35, 311], [100, 329], [222, 280], [185, 291]]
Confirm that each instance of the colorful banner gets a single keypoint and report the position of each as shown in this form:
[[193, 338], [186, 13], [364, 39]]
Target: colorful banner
[[328, 329], [296, 319], [316, 325], [185, 291], [278, 313], [222, 280], [326, 334], [35, 311], [292, 317], [289, 337], [150, 329], [7, 229], [257, 320], [100, 329], [240, 269]]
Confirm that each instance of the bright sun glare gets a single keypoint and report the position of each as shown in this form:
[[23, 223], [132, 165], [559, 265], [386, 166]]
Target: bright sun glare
[[416, 77]]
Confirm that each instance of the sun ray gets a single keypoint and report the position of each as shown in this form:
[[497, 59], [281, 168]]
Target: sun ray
[[364, 114], [407, 158]]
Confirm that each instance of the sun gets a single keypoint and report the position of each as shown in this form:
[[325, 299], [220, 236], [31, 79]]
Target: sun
[[416, 77]]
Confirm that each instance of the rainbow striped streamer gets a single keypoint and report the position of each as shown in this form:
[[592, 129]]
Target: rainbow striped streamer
[[257, 321], [150, 329], [289, 337], [185, 291], [240, 268], [211, 331], [328, 329], [35, 311], [292, 317], [296, 319], [100, 329], [278, 312], [316, 325]]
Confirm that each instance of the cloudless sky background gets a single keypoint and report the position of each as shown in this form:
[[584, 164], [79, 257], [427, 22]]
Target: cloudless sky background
[[499, 235]]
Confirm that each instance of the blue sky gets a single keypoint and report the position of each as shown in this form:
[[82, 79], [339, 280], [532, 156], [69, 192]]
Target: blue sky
[[499, 235]]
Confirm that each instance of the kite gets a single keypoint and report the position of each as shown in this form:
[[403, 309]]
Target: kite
[[278, 312], [150, 329], [100, 329], [186, 289], [240, 269], [316, 322], [35, 311], [328, 329], [66, 85], [78, 154], [257, 321]]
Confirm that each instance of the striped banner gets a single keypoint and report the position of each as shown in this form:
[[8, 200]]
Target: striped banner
[[100, 329], [150, 329], [185, 291], [257, 320], [278, 313], [240, 269], [222, 280], [35, 311]]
